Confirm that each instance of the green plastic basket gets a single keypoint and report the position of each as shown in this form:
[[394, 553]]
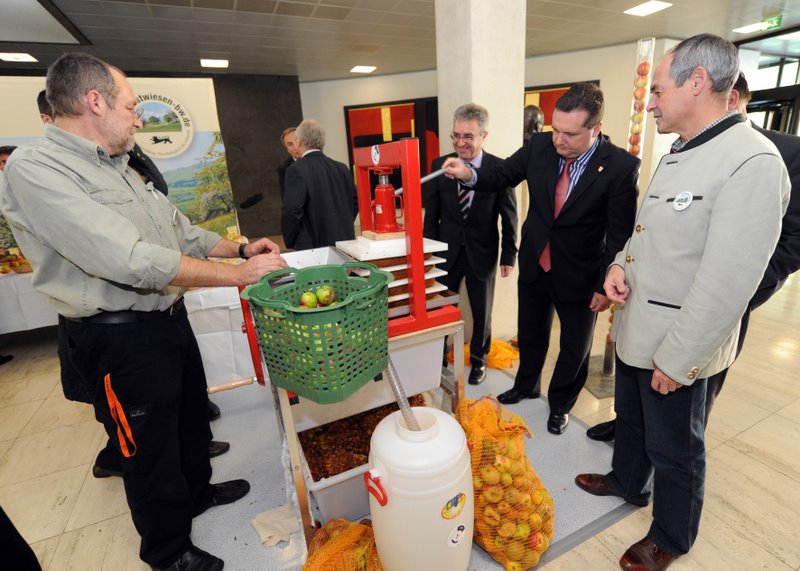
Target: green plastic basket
[[328, 353]]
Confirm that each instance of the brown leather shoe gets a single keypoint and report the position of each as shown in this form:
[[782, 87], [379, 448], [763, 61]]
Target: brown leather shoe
[[645, 555], [596, 484]]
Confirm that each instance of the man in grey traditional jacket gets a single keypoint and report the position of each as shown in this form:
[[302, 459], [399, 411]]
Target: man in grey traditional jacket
[[703, 236]]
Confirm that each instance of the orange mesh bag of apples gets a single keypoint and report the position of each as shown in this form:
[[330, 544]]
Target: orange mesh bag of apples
[[342, 545], [513, 510]]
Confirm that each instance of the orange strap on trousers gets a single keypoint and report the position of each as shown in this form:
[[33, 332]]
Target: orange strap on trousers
[[124, 433]]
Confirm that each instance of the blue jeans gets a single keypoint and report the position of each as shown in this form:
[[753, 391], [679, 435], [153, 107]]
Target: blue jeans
[[659, 447]]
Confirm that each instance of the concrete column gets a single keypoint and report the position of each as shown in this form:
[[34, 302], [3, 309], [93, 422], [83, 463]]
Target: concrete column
[[480, 58]]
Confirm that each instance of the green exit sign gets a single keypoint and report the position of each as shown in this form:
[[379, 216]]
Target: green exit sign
[[772, 23]]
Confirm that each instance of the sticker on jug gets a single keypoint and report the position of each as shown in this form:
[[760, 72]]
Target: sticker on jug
[[454, 506], [456, 536]]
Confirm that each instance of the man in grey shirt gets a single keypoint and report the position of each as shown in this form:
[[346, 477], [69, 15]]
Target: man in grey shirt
[[115, 257]]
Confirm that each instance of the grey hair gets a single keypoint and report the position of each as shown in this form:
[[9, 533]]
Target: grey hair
[[470, 111], [72, 76], [310, 134], [716, 55]]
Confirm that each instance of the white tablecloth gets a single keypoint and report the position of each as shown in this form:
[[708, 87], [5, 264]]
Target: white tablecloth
[[21, 307], [216, 317]]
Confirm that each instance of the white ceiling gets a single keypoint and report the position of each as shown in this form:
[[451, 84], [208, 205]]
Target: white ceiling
[[323, 39]]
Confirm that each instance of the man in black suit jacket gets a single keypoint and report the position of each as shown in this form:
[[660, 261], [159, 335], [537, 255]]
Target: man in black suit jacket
[[320, 203], [563, 258], [467, 221], [289, 140], [783, 263]]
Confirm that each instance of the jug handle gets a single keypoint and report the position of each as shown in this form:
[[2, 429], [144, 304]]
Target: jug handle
[[375, 479]]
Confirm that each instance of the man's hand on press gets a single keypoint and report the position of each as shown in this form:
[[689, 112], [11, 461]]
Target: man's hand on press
[[457, 169], [615, 287], [661, 383]]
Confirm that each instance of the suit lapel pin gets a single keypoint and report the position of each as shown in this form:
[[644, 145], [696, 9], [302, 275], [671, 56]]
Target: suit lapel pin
[[600, 168]]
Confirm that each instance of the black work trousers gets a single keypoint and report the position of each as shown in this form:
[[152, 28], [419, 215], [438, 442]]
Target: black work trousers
[[153, 370]]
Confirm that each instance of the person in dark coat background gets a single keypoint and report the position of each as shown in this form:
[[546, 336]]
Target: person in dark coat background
[[320, 202], [289, 140]]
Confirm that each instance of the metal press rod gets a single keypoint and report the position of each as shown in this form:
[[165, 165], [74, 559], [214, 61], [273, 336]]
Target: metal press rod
[[424, 179], [394, 381]]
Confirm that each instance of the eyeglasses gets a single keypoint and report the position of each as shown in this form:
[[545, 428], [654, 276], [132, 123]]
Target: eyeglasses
[[138, 113], [468, 138]]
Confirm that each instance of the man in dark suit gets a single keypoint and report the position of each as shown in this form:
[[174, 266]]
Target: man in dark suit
[[320, 203], [289, 140], [582, 205], [467, 221], [783, 263]]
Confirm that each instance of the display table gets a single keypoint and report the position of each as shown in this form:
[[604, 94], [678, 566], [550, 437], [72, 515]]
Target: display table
[[22, 307]]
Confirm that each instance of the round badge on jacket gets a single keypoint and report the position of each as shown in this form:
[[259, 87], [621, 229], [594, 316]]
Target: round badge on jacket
[[682, 201]]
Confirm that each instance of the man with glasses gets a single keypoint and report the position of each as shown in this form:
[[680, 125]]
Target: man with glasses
[[114, 257], [582, 202], [468, 223]]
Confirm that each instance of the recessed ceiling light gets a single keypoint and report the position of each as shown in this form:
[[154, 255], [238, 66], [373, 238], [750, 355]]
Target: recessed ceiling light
[[17, 57], [648, 8], [214, 63], [749, 29], [363, 69]]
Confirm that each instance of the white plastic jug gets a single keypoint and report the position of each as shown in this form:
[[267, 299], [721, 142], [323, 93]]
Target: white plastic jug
[[421, 498]]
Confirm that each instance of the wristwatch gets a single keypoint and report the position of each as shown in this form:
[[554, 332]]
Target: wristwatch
[[242, 255]]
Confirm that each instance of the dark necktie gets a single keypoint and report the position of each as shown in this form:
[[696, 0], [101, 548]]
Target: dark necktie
[[562, 191], [463, 198]]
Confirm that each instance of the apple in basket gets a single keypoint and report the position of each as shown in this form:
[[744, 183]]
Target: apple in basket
[[308, 300], [325, 295]]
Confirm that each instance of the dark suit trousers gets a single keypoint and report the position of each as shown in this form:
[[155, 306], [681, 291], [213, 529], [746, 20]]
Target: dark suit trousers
[[481, 299], [537, 301], [659, 449]]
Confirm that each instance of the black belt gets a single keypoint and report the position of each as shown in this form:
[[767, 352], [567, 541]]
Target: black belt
[[131, 316]]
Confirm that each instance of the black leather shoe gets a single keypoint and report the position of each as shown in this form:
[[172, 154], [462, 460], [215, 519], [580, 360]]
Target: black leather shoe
[[557, 423], [213, 411], [225, 493], [603, 432], [216, 448], [100, 472], [477, 375], [512, 396], [194, 559]]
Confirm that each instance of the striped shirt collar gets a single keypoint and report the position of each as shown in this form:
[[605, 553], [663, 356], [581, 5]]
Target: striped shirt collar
[[680, 145], [577, 167]]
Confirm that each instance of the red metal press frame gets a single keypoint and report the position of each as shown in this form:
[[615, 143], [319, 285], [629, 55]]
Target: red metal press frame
[[404, 155]]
